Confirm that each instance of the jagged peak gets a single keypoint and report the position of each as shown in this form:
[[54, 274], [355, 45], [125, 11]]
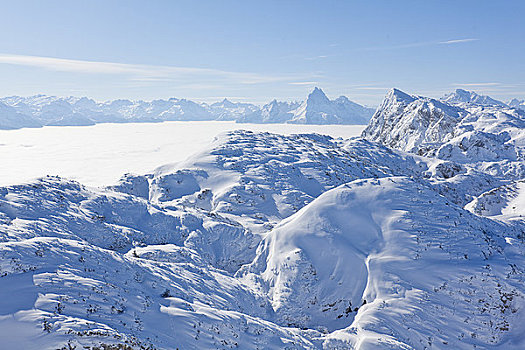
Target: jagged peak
[[227, 103], [398, 95], [317, 95]]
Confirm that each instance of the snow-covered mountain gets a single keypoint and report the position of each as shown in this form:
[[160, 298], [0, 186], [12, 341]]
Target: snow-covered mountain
[[318, 109], [41, 110], [515, 103], [470, 97], [268, 241], [490, 137], [227, 110], [412, 123], [11, 119], [410, 237], [273, 112]]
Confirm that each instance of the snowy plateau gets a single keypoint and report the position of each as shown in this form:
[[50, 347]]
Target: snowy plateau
[[409, 236]]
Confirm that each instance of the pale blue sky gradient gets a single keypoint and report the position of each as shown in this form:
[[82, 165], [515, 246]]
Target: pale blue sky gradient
[[258, 50]]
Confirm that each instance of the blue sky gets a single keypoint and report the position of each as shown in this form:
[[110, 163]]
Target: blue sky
[[260, 50]]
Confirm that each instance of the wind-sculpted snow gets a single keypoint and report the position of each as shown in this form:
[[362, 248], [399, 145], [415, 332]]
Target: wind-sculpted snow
[[265, 241], [362, 260], [507, 200], [263, 178]]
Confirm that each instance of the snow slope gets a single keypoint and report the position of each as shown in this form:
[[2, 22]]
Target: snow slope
[[318, 109], [404, 239], [170, 231], [488, 138], [80, 153], [389, 263]]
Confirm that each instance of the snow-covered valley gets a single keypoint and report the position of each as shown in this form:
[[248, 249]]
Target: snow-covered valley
[[409, 235]]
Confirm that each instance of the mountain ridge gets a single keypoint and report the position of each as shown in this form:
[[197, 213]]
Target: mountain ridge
[[409, 237], [52, 110]]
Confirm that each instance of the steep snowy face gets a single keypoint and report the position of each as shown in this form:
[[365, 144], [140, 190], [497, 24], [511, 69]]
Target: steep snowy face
[[411, 123], [317, 98], [11, 119], [487, 138], [318, 109], [461, 96], [367, 261]]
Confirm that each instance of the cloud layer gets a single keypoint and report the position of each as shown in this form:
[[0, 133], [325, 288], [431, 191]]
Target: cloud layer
[[138, 72]]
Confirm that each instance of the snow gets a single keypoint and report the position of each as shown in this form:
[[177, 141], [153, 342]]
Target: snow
[[318, 109], [99, 155], [470, 97], [488, 136], [34, 111], [410, 237], [361, 259], [515, 103]]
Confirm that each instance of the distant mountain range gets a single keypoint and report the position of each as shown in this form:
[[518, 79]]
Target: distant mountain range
[[410, 237], [35, 111]]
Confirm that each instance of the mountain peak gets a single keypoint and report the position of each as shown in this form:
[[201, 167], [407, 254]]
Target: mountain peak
[[516, 103], [317, 93], [227, 103], [398, 95], [465, 96]]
